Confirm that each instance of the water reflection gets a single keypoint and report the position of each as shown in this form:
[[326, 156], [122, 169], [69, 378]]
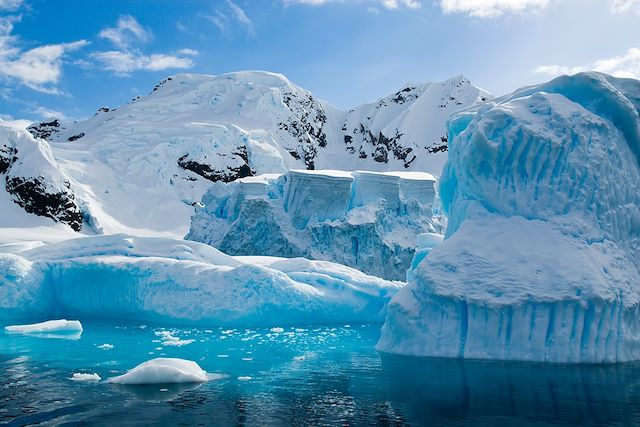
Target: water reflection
[[429, 391]]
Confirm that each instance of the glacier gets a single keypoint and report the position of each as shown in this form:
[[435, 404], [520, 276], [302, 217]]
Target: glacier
[[173, 281], [540, 257], [365, 220]]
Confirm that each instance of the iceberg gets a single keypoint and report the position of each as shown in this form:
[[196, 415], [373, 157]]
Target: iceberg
[[365, 220], [173, 281], [163, 371], [540, 257], [50, 326]]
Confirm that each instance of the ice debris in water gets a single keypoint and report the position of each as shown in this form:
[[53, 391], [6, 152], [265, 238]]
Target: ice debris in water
[[163, 371], [80, 377]]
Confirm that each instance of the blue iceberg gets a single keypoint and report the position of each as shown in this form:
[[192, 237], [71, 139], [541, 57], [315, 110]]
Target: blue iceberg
[[540, 260]]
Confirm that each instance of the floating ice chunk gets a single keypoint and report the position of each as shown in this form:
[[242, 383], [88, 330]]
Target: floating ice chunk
[[77, 376], [61, 326], [163, 371]]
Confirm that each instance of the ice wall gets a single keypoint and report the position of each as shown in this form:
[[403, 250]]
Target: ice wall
[[365, 220], [540, 260]]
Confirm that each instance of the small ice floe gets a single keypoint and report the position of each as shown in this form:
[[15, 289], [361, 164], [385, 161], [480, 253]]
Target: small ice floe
[[245, 378], [81, 377], [168, 339], [61, 326], [163, 371], [105, 346]]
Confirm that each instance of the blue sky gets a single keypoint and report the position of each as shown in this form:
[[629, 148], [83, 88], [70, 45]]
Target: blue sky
[[68, 58]]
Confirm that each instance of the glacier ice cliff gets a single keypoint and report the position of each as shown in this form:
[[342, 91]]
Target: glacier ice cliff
[[165, 280], [540, 258], [365, 220]]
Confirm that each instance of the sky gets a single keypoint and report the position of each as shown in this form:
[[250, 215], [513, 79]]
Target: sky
[[66, 59]]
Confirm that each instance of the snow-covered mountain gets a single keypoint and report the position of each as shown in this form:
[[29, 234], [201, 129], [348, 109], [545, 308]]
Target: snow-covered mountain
[[141, 168]]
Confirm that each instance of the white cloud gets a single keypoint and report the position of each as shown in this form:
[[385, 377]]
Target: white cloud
[[126, 32], [39, 68], [622, 6], [218, 19], [188, 52], [490, 8], [234, 15], [48, 114], [388, 4], [10, 5], [128, 58], [241, 16], [627, 65], [123, 63]]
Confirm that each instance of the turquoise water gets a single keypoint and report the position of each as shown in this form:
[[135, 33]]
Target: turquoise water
[[329, 375]]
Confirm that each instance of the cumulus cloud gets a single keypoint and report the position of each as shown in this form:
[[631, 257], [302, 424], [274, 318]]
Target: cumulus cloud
[[490, 8], [39, 68], [127, 32], [627, 65], [387, 4]]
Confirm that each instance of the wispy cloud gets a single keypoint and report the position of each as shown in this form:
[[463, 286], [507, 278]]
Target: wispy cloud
[[627, 65], [39, 68], [387, 4], [127, 32], [233, 15], [490, 8]]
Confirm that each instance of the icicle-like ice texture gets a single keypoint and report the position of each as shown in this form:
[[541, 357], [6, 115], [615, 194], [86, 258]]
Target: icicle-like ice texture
[[365, 220], [541, 256]]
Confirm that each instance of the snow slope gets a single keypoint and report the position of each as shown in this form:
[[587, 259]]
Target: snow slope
[[365, 220], [172, 281], [140, 168], [540, 260]]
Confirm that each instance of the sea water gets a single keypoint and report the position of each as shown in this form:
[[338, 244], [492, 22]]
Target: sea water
[[324, 375]]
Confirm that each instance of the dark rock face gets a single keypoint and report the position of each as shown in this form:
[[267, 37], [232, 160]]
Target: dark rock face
[[34, 197], [45, 130], [306, 126], [7, 157], [75, 137], [227, 174]]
